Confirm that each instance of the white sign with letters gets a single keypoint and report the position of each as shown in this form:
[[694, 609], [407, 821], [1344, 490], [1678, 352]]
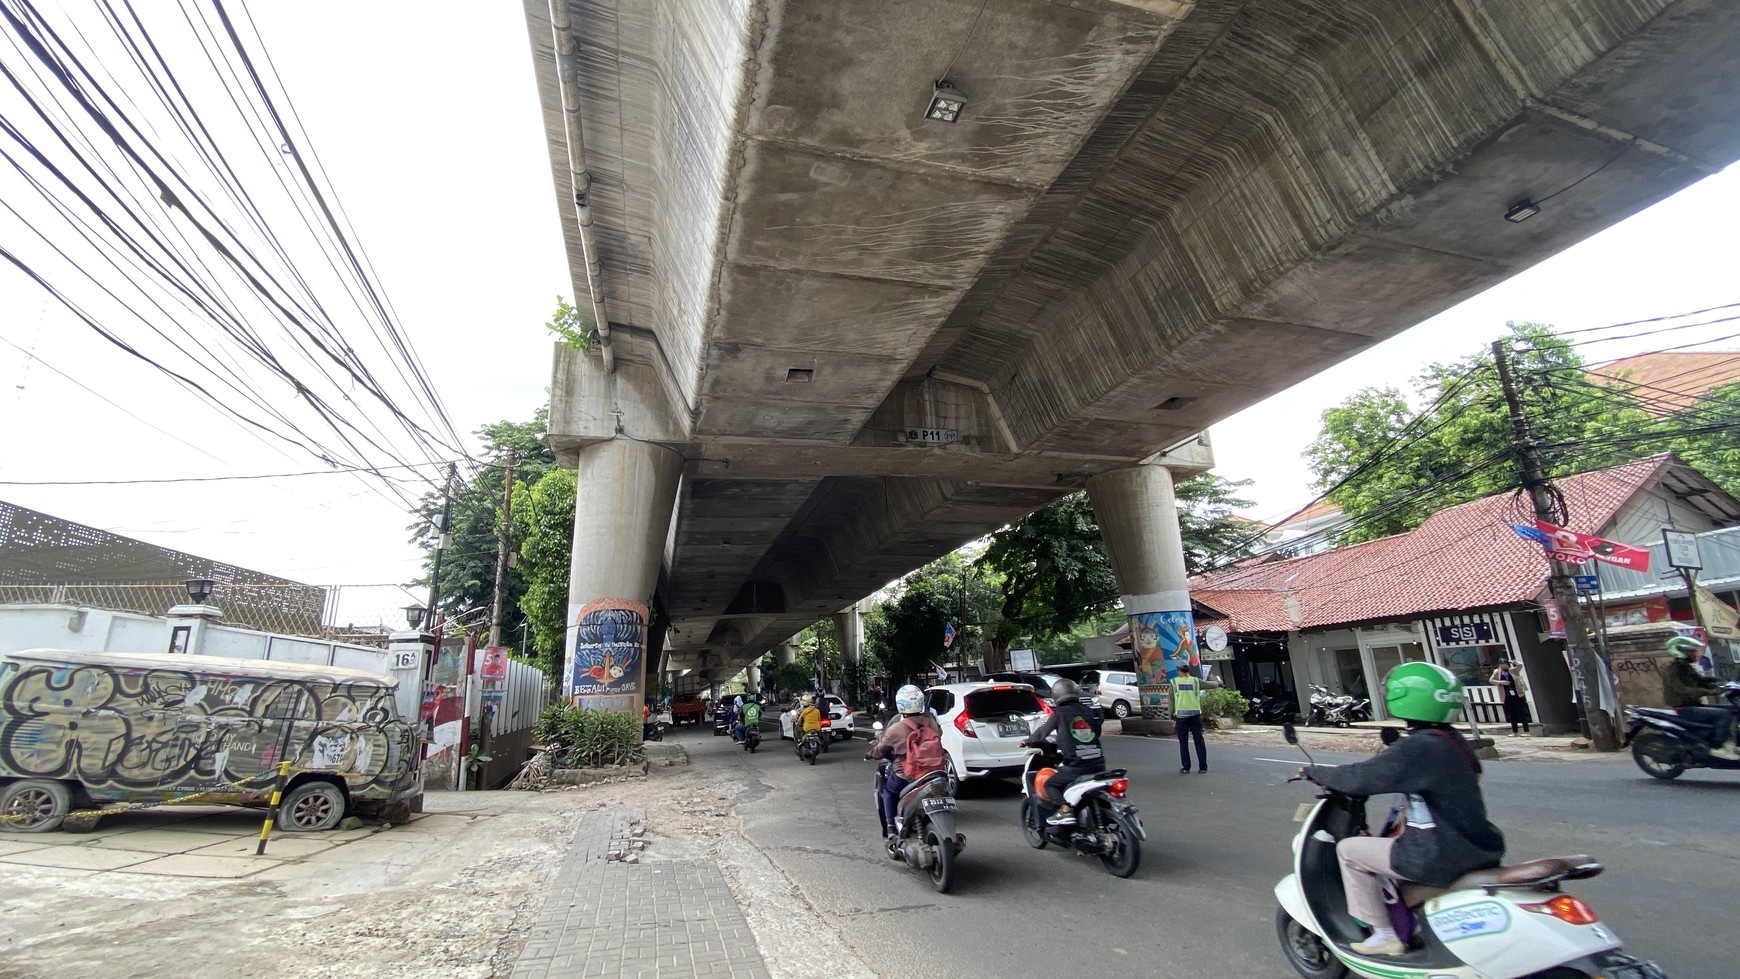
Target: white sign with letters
[[937, 436]]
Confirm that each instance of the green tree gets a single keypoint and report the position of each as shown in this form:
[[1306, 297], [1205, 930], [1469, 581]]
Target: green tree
[[547, 537], [1389, 468], [1211, 533], [1053, 569], [1705, 437], [468, 565], [905, 633]]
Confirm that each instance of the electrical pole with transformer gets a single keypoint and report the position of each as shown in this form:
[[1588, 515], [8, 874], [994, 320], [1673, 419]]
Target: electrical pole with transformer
[[1591, 683]]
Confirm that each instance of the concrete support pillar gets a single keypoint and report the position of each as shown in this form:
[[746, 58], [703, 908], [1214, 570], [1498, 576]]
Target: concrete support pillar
[[850, 626], [1138, 517], [628, 491], [752, 677], [785, 654]]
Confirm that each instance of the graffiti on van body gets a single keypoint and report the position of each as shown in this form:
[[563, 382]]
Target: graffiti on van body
[[148, 728]]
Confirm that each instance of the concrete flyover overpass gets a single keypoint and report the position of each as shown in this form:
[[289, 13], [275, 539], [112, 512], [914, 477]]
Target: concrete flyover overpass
[[839, 338]]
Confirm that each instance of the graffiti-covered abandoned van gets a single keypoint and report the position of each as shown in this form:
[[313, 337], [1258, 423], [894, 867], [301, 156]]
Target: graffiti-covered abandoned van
[[85, 730]]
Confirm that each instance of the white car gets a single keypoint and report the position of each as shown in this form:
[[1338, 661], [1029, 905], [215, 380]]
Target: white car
[[840, 721], [1114, 690], [983, 725]]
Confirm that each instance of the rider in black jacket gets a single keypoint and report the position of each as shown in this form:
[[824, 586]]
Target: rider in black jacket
[[1078, 740]]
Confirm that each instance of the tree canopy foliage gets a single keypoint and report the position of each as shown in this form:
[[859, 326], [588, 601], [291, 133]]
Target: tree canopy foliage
[[468, 565], [1389, 467]]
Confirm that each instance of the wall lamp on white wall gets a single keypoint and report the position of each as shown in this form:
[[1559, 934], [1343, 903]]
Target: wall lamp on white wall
[[946, 102]]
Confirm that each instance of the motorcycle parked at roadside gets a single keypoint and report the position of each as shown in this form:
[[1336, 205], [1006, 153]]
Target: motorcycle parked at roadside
[[924, 833], [1510, 922], [1664, 742], [1273, 709], [1106, 826]]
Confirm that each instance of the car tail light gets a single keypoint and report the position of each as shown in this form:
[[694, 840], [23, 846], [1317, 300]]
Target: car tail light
[[1118, 787], [1566, 908], [827, 723], [964, 723], [1046, 707]]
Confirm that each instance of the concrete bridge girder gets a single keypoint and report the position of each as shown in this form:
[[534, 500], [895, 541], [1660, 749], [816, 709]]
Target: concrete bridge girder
[[1195, 205]]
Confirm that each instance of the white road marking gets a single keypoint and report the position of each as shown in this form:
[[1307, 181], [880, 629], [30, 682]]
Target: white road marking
[[1294, 761]]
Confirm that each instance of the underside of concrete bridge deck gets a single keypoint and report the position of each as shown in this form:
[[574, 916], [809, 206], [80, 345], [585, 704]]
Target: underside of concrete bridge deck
[[870, 336]]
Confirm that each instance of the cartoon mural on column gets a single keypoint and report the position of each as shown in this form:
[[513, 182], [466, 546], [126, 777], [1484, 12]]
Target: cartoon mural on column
[[605, 673], [1165, 645]]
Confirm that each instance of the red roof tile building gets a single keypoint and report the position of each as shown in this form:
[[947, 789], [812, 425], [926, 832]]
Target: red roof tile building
[[1342, 618]]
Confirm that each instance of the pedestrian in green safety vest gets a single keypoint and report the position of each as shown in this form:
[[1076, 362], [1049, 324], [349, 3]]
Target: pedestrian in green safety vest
[[1187, 720]]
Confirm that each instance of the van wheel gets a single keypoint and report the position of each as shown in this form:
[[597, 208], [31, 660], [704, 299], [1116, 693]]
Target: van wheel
[[34, 805], [311, 807], [1120, 710]]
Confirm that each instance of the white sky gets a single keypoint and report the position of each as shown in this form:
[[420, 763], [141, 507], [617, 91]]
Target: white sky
[[426, 121]]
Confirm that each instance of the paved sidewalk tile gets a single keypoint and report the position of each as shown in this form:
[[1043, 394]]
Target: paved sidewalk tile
[[664, 920]]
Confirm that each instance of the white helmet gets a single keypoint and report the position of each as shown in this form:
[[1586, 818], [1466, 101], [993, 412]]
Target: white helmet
[[909, 700]]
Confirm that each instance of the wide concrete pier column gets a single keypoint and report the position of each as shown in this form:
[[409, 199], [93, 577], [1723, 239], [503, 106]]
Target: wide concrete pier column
[[1138, 517], [785, 654], [752, 677], [623, 517]]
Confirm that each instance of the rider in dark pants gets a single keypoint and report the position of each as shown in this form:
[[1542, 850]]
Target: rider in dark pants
[[1683, 688], [1078, 740]]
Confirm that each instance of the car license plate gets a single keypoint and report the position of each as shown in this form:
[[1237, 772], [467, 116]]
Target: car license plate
[[939, 805], [1015, 730]]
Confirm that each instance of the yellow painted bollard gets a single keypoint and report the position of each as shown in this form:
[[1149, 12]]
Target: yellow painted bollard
[[272, 811]]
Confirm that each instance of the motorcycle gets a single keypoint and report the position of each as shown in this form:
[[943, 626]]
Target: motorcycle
[[654, 730], [751, 737], [1665, 743], [924, 834], [811, 744], [1330, 708], [1106, 826], [1510, 922], [1278, 709], [1360, 712]]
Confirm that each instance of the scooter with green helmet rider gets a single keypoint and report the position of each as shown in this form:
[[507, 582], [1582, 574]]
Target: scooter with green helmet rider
[[1492, 921], [1687, 733]]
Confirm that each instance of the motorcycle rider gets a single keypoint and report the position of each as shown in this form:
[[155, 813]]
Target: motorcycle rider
[[1446, 832], [1683, 687], [909, 701], [809, 717], [750, 719], [1078, 740]]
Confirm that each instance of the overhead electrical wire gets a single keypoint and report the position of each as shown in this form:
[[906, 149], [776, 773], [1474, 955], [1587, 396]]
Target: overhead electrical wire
[[177, 266]]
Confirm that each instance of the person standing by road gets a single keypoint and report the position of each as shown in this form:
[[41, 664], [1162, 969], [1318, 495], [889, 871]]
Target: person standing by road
[[1187, 721], [1510, 684]]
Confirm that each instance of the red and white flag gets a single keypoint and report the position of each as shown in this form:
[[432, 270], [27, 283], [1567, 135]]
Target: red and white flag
[[1575, 548]]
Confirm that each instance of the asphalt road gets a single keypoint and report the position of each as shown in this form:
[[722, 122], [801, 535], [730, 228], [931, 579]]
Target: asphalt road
[[1203, 899]]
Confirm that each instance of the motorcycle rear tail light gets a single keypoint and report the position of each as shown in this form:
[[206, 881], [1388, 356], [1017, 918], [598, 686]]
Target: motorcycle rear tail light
[[1119, 787], [964, 723], [1567, 909]]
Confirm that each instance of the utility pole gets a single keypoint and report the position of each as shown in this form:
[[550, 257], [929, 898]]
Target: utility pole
[[1591, 684], [441, 543], [501, 551]]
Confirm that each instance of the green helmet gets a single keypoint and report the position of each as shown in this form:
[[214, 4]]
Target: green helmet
[[1685, 647], [1422, 692]]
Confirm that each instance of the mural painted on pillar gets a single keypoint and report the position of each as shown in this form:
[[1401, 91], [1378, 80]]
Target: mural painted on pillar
[[1165, 645], [152, 733], [609, 644]]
